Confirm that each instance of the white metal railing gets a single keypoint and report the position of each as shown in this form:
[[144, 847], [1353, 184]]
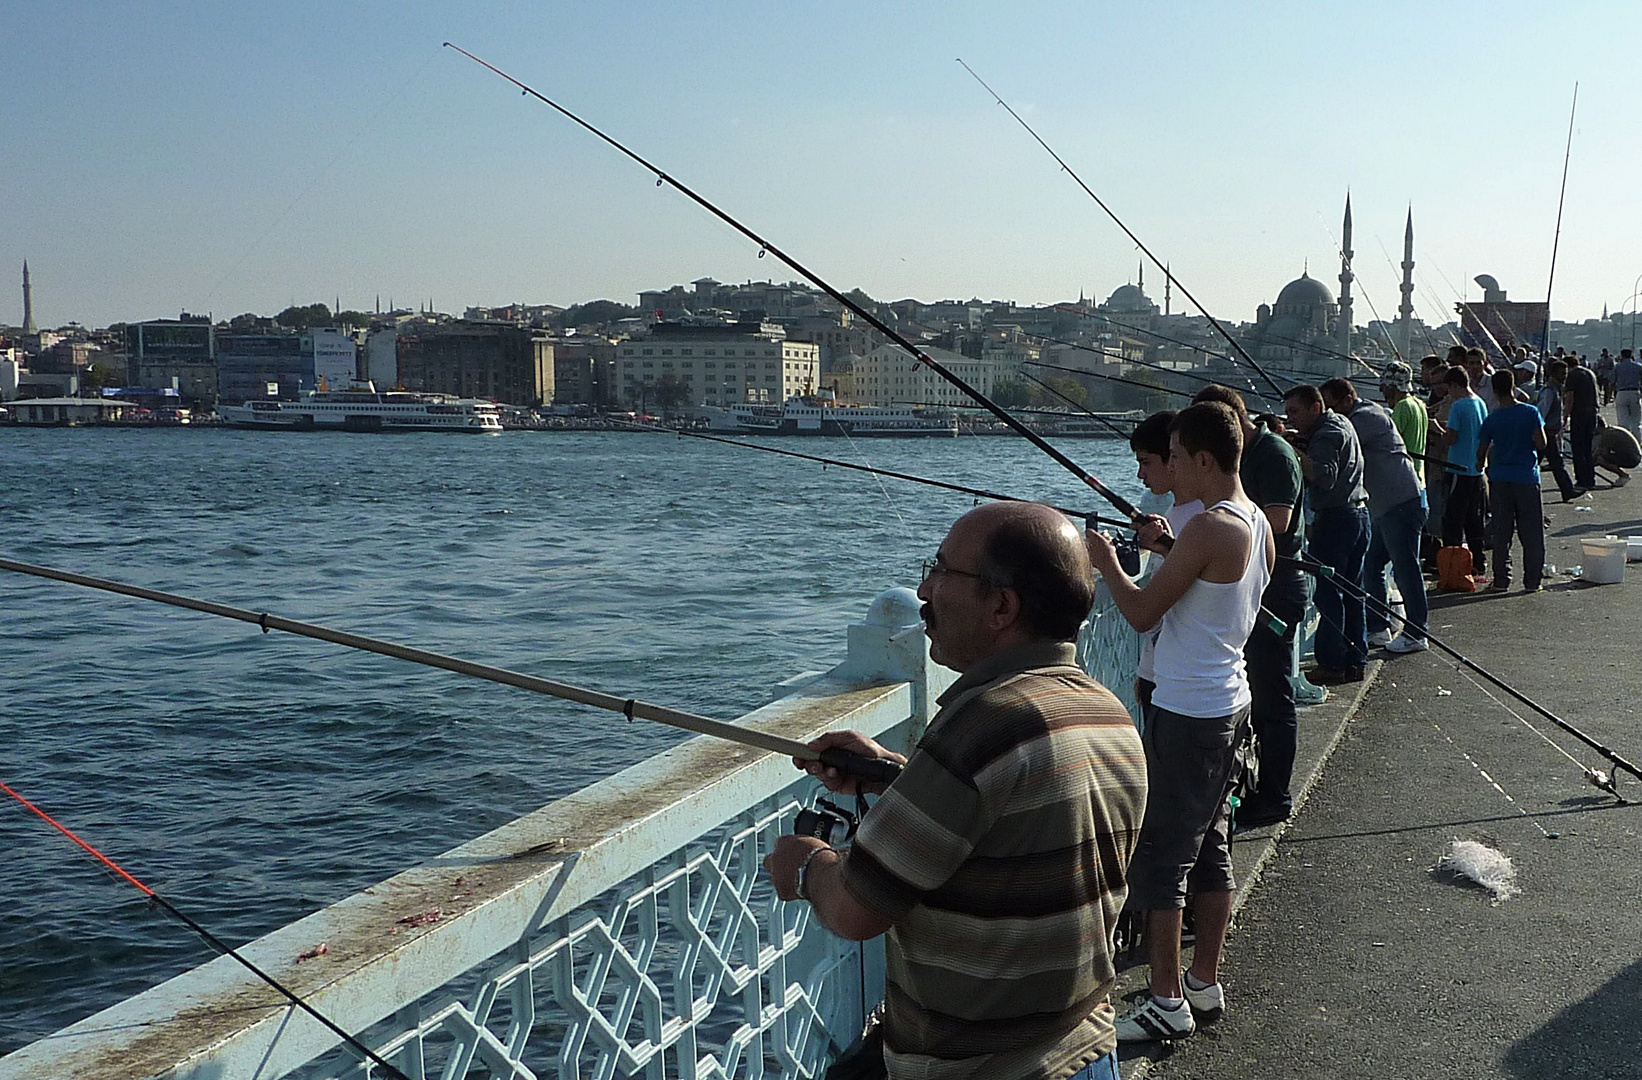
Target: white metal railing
[[623, 930]]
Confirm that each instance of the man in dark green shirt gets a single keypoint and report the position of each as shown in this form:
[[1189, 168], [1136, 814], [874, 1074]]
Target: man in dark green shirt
[[1270, 472]]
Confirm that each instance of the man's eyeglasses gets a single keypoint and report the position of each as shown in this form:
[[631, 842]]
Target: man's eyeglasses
[[934, 566]]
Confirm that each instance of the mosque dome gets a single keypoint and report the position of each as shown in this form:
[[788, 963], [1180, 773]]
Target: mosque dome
[[1303, 291], [1129, 298]]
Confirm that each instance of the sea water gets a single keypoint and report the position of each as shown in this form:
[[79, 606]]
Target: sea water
[[252, 779]]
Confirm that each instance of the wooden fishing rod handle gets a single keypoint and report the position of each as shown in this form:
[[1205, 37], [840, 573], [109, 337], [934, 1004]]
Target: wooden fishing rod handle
[[871, 770]]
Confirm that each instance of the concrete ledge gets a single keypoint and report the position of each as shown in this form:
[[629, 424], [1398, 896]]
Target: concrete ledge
[[1321, 728]]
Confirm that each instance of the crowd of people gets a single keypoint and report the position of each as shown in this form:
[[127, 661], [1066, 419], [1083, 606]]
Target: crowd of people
[[1034, 813]]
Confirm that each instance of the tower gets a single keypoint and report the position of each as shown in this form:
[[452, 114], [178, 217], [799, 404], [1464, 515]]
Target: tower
[[1342, 326], [1405, 311], [1168, 280], [28, 303]]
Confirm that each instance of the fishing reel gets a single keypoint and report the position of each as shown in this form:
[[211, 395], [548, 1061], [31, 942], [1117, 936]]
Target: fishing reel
[[828, 822], [1128, 554]]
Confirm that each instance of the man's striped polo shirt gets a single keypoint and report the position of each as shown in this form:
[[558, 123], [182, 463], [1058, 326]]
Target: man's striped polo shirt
[[1000, 856]]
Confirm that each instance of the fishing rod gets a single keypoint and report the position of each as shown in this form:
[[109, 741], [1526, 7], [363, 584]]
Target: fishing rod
[[210, 939], [1323, 570], [1567, 155], [1167, 273], [871, 769], [1123, 505]]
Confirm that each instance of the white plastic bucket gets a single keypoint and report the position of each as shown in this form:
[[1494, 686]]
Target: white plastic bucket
[[1604, 561]]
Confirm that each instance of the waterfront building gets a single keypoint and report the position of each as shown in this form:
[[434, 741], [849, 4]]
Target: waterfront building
[[888, 375], [252, 366], [493, 361], [179, 352], [716, 363], [584, 370], [68, 411]]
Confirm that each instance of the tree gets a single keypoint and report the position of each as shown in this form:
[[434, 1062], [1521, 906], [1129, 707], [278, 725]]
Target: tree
[[302, 318], [1012, 394], [1063, 388], [595, 313], [671, 392], [99, 375], [352, 320]]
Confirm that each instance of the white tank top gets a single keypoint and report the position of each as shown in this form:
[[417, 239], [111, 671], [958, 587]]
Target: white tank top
[[1199, 667], [1177, 516]]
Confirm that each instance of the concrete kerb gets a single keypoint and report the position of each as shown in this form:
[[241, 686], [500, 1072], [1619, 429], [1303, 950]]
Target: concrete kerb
[[1321, 728]]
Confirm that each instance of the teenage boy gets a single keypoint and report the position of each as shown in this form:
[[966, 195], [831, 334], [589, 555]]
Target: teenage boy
[[1515, 435], [1270, 473], [1204, 600], [1150, 443]]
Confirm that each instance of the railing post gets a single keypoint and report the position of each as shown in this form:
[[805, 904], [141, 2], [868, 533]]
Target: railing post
[[889, 645]]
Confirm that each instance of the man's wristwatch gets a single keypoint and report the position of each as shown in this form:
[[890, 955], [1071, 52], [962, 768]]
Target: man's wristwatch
[[804, 871]]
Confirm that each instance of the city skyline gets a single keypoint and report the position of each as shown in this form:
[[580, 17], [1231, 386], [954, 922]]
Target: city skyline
[[232, 161]]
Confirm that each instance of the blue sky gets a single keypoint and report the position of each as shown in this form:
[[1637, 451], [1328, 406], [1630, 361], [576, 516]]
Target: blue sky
[[233, 157]]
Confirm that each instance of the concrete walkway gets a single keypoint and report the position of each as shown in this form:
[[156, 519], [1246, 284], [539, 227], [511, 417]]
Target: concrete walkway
[[1351, 957]]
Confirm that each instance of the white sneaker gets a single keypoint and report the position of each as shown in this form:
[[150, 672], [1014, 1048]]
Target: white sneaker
[[1208, 1004], [1149, 1021], [1402, 643], [1379, 638]]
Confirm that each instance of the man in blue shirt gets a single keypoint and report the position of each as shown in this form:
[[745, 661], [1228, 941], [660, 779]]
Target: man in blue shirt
[[1509, 443], [1462, 510]]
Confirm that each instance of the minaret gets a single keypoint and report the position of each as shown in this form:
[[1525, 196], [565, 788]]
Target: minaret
[[1342, 326], [28, 303], [1168, 279], [1405, 312]]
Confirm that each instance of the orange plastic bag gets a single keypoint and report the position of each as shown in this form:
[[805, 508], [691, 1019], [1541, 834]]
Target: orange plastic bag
[[1454, 570]]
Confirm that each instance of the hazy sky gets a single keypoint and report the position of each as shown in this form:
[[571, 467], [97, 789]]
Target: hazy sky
[[238, 157]]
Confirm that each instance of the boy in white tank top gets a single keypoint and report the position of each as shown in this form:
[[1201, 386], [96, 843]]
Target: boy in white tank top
[[1203, 601]]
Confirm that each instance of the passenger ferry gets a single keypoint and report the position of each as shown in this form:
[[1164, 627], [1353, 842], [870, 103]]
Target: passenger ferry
[[820, 414], [362, 408]]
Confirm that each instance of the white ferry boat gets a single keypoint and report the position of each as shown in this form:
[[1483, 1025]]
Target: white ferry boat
[[364, 409], [821, 415]]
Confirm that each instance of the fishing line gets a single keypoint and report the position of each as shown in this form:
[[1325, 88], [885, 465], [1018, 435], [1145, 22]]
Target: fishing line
[[1167, 273], [346, 147], [1362, 288], [979, 493], [876, 475], [1019, 409], [207, 936], [1425, 328], [1123, 505], [1495, 784], [1119, 432], [1322, 570], [1100, 350]]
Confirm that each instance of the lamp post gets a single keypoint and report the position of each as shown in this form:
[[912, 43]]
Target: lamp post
[[1635, 285]]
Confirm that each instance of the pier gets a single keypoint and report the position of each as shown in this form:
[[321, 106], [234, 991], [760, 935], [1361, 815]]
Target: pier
[[625, 929]]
